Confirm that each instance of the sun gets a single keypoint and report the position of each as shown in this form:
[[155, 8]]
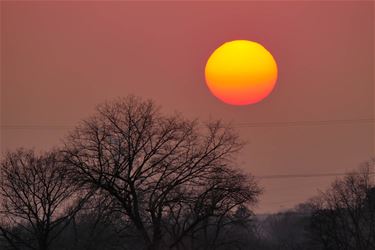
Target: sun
[[241, 72]]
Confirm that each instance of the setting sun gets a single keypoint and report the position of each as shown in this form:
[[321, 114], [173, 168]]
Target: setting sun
[[241, 72]]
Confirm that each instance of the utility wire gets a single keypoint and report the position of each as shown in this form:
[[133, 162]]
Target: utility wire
[[36, 127], [253, 124], [238, 125], [289, 176], [305, 123]]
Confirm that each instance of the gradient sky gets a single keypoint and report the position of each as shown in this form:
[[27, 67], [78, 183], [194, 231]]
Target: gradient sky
[[60, 59]]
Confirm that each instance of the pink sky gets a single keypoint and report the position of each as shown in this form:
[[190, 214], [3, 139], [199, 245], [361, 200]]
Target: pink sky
[[60, 59]]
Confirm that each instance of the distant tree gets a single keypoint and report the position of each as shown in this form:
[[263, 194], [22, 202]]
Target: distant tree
[[344, 216], [168, 174], [229, 228], [286, 230], [98, 226], [36, 199], [235, 231]]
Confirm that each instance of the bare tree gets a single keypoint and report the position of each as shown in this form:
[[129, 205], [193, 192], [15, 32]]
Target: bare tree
[[36, 199], [344, 216], [159, 169]]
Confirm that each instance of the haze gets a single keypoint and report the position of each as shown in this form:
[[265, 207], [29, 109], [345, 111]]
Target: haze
[[60, 59]]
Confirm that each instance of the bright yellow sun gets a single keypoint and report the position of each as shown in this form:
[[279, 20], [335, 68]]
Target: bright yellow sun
[[241, 72]]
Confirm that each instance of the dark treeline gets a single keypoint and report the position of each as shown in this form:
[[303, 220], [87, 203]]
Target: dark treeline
[[130, 177], [342, 217]]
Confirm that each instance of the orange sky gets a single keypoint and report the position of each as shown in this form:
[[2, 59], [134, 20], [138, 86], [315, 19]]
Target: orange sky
[[58, 60]]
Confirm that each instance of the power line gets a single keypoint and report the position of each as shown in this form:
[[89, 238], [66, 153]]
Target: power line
[[306, 123], [280, 202], [238, 125], [36, 127], [288, 176]]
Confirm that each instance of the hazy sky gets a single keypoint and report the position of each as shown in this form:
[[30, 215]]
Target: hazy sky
[[60, 59]]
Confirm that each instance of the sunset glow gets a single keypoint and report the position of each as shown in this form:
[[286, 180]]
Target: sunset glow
[[241, 72]]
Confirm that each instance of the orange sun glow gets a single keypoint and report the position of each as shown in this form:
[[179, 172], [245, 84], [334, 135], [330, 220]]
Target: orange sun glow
[[241, 72]]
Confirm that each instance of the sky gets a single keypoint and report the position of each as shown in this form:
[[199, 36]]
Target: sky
[[60, 59]]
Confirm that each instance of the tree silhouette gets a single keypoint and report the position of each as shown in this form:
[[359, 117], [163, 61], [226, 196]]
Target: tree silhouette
[[168, 174], [344, 216], [37, 200]]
